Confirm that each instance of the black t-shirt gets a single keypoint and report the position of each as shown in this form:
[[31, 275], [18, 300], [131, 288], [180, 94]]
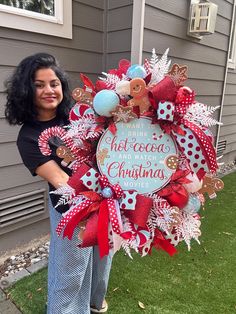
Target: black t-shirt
[[31, 155]]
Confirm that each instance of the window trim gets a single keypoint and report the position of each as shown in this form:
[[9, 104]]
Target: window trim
[[58, 25]]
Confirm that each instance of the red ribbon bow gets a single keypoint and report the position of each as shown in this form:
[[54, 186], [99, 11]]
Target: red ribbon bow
[[116, 188], [105, 210], [174, 192]]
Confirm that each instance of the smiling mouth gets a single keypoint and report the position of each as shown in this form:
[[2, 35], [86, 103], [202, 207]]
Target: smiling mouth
[[49, 98], [138, 90]]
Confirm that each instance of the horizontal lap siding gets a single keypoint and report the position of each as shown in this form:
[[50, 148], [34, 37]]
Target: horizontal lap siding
[[84, 53], [228, 130], [165, 26], [2, 101], [9, 155], [118, 32]]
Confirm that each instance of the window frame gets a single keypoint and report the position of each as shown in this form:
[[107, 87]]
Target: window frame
[[58, 25]]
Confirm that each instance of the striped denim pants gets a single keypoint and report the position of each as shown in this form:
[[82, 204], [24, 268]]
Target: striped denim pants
[[77, 277]]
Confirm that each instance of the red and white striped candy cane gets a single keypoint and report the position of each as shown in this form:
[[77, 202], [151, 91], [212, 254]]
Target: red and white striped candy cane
[[45, 136], [58, 131]]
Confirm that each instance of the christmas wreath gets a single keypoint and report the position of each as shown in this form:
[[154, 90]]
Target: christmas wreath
[[142, 158]]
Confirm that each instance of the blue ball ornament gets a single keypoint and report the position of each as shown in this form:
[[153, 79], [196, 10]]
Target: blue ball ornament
[[107, 192], [135, 71], [105, 101], [193, 205]]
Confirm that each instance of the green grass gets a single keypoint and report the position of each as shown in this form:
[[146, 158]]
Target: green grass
[[30, 293], [200, 281]]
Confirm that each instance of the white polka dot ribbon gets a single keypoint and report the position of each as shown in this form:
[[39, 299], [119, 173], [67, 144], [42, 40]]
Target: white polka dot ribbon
[[67, 218], [208, 149], [116, 188], [114, 215], [185, 97], [197, 147], [109, 226]]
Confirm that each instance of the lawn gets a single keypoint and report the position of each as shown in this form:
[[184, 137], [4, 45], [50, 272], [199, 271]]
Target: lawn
[[200, 281]]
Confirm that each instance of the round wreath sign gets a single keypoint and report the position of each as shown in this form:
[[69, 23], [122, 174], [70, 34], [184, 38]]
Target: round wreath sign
[[142, 158], [139, 156]]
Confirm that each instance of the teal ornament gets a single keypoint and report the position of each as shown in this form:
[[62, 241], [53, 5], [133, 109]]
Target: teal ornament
[[105, 101], [107, 192], [193, 205], [136, 71]]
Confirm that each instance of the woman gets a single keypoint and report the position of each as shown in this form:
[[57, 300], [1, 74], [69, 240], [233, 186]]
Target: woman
[[38, 98]]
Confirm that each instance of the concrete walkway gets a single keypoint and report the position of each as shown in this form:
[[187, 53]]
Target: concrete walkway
[[6, 305]]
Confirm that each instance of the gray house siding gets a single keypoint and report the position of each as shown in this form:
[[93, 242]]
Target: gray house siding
[[84, 53], [165, 25], [118, 32], [228, 130]]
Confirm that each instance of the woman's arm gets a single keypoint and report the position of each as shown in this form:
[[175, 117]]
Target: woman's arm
[[52, 173]]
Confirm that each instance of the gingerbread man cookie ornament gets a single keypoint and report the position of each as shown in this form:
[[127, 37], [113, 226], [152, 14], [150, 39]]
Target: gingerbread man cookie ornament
[[139, 93], [102, 155], [65, 153], [82, 96], [211, 185]]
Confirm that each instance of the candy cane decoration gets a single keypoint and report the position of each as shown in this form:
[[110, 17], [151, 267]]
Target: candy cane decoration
[[45, 136], [147, 66]]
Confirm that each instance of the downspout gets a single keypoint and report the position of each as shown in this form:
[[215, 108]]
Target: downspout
[[137, 31], [225, 75]]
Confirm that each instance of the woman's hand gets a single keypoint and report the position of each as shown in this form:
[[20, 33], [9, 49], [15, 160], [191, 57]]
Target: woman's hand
[[52, 173]]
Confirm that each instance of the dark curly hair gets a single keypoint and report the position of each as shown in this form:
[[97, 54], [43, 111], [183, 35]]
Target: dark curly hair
[[20, 89]]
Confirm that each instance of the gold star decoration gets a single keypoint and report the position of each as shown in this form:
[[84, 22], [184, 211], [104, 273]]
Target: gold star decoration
[[178, 74], [123, 114]]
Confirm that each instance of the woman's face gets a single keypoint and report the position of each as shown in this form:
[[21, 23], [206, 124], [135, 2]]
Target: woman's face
[[48, 93]]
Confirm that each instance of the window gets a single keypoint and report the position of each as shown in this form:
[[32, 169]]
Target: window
[[50, 17], [43, 7]]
